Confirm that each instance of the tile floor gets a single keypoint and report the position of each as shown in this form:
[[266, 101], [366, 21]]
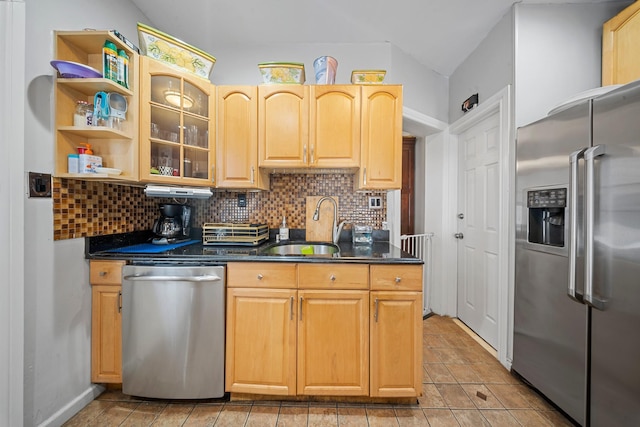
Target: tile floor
[[464, 385]]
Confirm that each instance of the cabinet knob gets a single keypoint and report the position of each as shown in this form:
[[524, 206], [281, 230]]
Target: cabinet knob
[[260, 276], [332, 278], [398, 279], [102, 273]]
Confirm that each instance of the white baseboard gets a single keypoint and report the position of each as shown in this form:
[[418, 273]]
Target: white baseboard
[[73, 407]]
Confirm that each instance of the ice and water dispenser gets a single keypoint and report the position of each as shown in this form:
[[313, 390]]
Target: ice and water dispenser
[[547, 216]]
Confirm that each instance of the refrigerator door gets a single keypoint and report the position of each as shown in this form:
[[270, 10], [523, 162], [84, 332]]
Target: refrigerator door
[[550, 329], [615, 339]]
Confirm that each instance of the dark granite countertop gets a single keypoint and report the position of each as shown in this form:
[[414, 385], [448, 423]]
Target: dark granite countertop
[[106, 248]]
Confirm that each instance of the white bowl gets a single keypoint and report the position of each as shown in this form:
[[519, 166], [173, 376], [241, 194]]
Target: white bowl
[[108, 171]]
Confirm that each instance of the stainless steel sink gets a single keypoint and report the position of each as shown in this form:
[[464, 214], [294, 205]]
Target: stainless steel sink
[[302, 248]]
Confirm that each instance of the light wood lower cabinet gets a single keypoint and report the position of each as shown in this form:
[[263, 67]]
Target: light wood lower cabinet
[[106, 321], [261, 341], [326, 333], [333, 343]]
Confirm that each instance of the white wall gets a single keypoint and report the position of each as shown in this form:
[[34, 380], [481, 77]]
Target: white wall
[[12, 17], [558, 54], [487, 70], [57, 293]]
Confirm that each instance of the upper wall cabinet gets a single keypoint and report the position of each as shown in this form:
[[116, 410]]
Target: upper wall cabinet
[[177, 126], [283, 126], [334, 126], [620, 40], [237, 139], [381, 147], [113, 139]]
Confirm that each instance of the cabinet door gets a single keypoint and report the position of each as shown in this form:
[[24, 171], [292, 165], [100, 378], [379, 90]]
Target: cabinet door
[[177, 129], [381, 162], [237, 141], [334, 126], [333, 343], [620, 38], [106, 334], [396, 344], [261, 341], [283, 125]]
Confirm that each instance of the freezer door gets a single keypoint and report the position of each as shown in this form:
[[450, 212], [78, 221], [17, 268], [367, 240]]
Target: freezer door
[[615, 351], [550, 329]]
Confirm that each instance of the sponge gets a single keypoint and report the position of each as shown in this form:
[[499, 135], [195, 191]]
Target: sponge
[[306, 250]]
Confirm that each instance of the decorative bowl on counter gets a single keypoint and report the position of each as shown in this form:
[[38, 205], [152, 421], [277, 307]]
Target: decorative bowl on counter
[[75, 70], [368, 77], [174, 52], [282, 72]]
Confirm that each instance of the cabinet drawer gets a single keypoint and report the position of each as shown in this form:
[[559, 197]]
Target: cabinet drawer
[[396, 277], [106, 272], [261, 275], [333, 276]]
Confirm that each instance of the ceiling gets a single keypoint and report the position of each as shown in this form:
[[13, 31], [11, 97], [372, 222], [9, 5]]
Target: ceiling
[[439, 34]]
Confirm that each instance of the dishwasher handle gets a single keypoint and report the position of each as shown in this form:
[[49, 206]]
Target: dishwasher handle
[[204, 278]]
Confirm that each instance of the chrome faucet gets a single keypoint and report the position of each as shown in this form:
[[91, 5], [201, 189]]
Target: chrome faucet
[[335, 229]]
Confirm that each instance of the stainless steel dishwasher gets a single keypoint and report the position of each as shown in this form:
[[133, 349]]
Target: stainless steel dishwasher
[[173, 327]]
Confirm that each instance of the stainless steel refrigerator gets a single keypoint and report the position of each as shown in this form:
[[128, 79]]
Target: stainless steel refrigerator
[[577, 276]]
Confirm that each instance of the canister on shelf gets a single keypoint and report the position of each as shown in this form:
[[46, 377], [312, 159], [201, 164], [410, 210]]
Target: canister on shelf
[[83, 113], [72, 163]]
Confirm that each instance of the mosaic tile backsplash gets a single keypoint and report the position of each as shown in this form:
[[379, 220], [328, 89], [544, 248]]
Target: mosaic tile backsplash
[[89, 208]]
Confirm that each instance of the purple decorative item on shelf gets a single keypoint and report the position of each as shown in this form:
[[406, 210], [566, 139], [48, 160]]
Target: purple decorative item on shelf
[[325, 68], [70, 70]]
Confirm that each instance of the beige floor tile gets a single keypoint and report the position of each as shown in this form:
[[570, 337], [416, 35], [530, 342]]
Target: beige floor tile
[[481, 396], [450, 355], [470, 418], [441, 418], [555, 418], [426, 378], [381, 417], [430, 356], [410, 417], [145, 414], [293, 416], [233, 415], [114, 415], [435, 341], [454, 396], [203, 415], [492, 373], [439, 373], [352, 416], [431, 397], [263, 416], [174, 414], [90, 412], [529, 418], [463, 373], [321, 416], [499, 418], [510, 395]]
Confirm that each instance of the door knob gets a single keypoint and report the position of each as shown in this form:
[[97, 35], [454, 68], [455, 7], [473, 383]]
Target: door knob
[[460, 216], [459, 236]]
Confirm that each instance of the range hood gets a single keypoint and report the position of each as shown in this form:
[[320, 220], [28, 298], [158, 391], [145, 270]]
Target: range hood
[[181, 192]]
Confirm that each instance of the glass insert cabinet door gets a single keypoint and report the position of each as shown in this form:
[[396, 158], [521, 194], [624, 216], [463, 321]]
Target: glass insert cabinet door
[[176, 126]]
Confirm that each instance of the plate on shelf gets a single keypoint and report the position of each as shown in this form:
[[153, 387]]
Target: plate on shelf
[[75, 70], [108, 171]]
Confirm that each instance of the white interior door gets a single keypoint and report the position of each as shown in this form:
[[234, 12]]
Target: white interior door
[[478, 227]]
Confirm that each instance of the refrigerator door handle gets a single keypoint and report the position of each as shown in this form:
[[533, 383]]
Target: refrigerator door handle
[[589, 157], [574, 160]]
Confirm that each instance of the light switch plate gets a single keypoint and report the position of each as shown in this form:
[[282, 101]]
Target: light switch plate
[[375, 202]]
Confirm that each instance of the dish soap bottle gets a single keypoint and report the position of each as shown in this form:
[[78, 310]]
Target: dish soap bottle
[[284, 230]]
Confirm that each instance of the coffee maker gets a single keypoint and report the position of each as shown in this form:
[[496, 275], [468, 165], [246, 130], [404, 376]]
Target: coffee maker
[[173, 225]]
